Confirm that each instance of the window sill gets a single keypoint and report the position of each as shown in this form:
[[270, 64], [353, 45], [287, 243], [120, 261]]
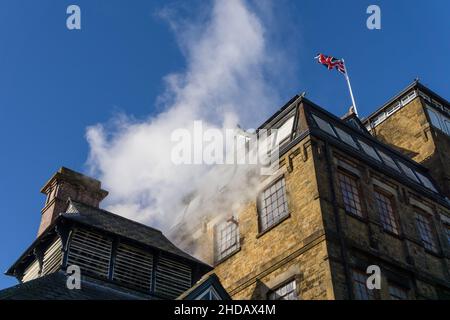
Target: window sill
[[216, 263], [362, 219], [437, 254], [261, 233], [393, 234]]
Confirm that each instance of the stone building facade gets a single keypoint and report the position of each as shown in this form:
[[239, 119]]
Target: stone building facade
[[344, 198], [421, 131]]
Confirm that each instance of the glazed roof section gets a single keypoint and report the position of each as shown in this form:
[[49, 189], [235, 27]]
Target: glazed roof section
[[309, 118]]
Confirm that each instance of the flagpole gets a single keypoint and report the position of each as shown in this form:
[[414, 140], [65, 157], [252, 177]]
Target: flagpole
[[350, 88]]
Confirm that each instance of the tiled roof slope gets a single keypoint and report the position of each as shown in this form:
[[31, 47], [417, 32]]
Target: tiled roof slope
[[53, 287], [124, 227]]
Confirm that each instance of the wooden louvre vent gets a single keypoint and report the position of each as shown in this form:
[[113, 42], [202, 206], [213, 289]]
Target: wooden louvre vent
[[52, 257], [32, 271], [172, 278], [133, 267], [90, 251]]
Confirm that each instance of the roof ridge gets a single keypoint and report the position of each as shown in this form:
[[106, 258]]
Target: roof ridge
[[112, 214]]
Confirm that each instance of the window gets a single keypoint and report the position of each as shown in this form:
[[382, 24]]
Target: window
[[393, 108], [350, 194], [379, 119], [386, 211], [424, 223], [284, 131], [447, 231], [437, 104], [227, 238], [285, 292], [324, 125], [426, 182], [369, 150], [346, 137], [423, 95], [409, 97], [447, 125], [397, 293], [434, 118], [439, 120], [360, 289], [408, 171], [388, 160], [273, 204]]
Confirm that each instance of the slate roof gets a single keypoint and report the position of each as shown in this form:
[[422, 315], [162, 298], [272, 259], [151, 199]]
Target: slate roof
[[53, 287], [118, 225]]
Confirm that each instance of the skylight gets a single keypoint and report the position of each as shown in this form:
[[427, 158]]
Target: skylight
[[426, 182], [388, 160], [369, 150], [408, 171], [324, 125], [346, 137], [285, 130]]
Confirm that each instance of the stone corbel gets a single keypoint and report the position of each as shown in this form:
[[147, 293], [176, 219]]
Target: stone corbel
[[426, 132], [309, 145], [290, 164]]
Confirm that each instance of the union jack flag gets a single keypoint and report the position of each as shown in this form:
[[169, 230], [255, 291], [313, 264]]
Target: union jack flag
[[330, 62]]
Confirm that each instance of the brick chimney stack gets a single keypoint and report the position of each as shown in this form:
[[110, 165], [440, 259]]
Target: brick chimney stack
[[66, 184]]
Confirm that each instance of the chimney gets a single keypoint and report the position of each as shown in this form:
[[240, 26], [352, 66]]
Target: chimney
[[66, 184]]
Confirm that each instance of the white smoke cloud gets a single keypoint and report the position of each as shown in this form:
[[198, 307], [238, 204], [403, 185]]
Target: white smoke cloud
[[228, 80]]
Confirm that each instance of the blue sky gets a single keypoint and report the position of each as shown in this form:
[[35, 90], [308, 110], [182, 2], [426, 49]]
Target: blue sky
[[54, 83]]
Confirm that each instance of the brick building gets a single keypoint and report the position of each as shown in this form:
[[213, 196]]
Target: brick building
[[348, 194]]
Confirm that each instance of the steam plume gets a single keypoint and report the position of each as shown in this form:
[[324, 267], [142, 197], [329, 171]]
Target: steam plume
[[229, 80]]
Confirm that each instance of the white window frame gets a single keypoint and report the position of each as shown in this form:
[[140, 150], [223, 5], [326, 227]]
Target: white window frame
[[285, 128], [227, 239], [272, 193], [409, 97], [280, 292], [392, 109]]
